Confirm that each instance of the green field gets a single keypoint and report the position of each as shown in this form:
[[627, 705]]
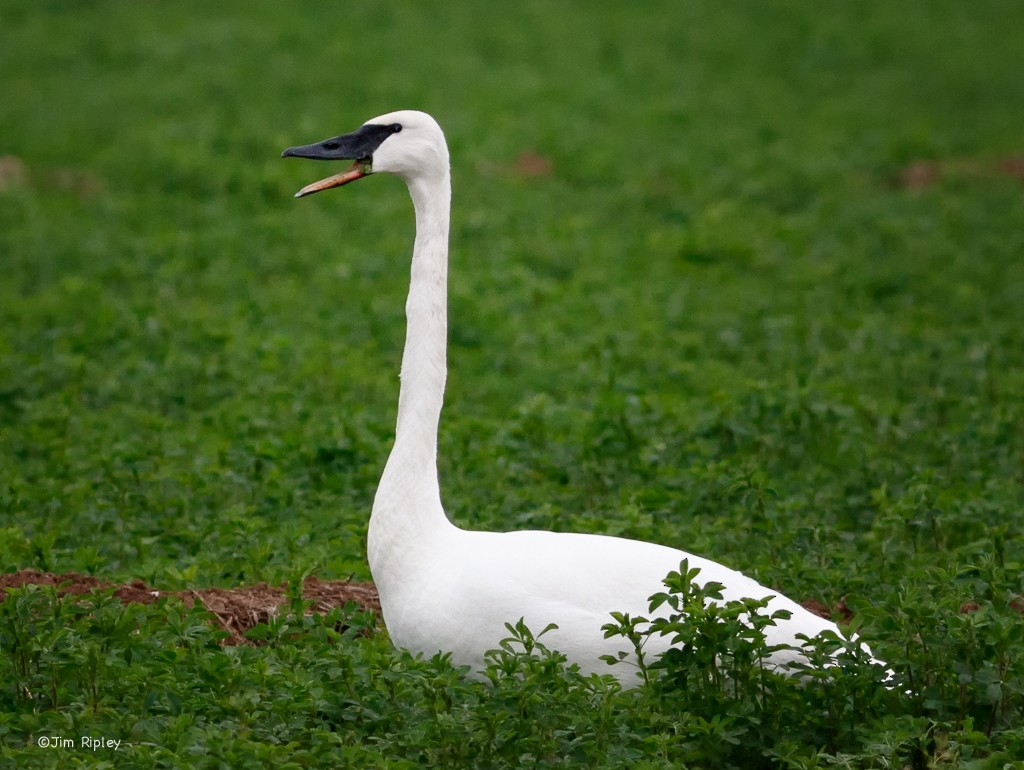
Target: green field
[[744, 279]]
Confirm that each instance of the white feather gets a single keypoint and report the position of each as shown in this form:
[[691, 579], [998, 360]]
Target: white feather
[[447, 589]]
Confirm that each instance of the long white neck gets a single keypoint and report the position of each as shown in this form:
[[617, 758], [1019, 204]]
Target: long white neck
[[407, 513]]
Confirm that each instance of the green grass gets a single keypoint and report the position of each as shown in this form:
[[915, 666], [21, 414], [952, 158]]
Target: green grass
[[719, 323]]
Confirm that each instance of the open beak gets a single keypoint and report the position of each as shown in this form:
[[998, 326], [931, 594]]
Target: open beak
[[359, 169], [347, 147], [358, 146]]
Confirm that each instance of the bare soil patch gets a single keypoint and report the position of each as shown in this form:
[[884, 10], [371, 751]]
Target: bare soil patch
[[239, 609], [925, 173], [236, 609]]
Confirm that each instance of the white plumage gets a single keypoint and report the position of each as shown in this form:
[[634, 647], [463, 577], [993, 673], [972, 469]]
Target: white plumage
[[443, 588]]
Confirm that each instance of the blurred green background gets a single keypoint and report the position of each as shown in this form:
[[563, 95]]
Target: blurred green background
[[746, 279], [696, 250]]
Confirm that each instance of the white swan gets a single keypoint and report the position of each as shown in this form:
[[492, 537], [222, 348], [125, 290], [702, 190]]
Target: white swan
[[443, 588]]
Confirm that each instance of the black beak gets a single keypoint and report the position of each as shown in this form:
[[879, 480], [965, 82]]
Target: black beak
[[359, 145]]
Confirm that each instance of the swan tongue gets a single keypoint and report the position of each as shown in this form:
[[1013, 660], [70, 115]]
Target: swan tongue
[[358, 171]]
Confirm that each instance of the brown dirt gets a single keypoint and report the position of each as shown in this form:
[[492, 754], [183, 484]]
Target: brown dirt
[[12, 173], [239, 609], [527, 165], [840, 610], [15, 175], [1016, 603], [236, 609], [924, 173], [531, 164], [1012, 166]]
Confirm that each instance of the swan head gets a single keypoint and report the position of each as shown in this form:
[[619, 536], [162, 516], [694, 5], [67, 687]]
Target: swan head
[[406, 143]]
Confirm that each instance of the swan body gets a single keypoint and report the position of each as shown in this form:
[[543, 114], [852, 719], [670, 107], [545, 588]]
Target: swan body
[[448, 589]]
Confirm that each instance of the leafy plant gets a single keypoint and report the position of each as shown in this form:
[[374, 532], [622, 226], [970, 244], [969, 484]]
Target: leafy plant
[[742, 281]]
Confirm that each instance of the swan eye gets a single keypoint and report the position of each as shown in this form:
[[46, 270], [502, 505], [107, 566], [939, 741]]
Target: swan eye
[[396, 127]]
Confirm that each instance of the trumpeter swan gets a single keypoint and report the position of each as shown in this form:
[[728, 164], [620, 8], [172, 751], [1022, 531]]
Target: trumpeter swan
[[443, 588]]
